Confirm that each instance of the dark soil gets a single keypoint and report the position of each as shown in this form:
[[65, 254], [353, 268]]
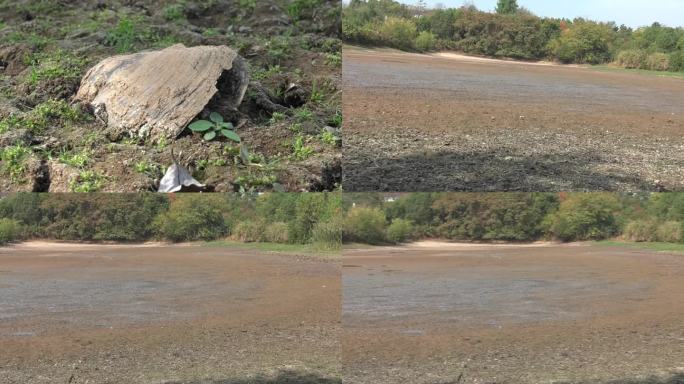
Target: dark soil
[[444, 313], [293, 52], [437, 123], [167, 314]]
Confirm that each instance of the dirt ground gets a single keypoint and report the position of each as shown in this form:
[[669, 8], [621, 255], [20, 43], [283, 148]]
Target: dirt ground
[[547, 313], [446, 122], [167, 314], [48, 143]]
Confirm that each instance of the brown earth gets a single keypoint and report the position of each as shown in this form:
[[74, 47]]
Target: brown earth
[[167, 314], [579, 313], [447, 122]]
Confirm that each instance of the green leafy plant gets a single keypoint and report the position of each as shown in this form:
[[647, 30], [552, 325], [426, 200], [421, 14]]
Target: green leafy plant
[[277, 117], [300, 150], [87, 181], [328, 137], [78, 160], [304, 114], [14, 159], [123, 37], [333, 59], [216, 126]]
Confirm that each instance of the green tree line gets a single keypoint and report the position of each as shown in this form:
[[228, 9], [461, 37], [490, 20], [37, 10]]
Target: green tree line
[[522, 217], [297, 218], [512, 32]]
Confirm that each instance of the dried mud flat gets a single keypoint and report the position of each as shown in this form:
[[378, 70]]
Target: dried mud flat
[[579, 313], [167, 314], [451, 123]]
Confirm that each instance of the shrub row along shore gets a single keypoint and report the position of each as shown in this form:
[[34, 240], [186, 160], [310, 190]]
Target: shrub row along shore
[[514, 217], [287, 218], [512, 32]]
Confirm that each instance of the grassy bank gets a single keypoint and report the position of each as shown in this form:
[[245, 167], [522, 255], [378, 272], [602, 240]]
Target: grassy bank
[[655, 246], [610, 68], [307, 249]]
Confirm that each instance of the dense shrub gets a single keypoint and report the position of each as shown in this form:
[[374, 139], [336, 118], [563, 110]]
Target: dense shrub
[[327, 234], [632, 59], [640, 231], [248, 231], [670, 232], [277, 232], [365, 225], [584, 42], [585, 216], [658, 62], [677, 60], [193, 217], [398, 33], [426, 41], [399, 231], [10, 230]]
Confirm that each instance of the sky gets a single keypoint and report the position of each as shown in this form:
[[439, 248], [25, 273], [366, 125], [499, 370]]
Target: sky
[[634, 13]]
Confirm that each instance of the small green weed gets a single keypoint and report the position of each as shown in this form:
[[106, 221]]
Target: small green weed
[[78, 159], [300, 151], [214, 127], [174, 12], [14, 159], [58, 65], [335, 120], [123, 36], [277, 117], [303, 114], [328, 137], [333, 59], [263, 74], [87, 181]]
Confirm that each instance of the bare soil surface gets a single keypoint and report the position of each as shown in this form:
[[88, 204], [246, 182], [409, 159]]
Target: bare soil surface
[[544, 313], [446, 122], [167, 314]]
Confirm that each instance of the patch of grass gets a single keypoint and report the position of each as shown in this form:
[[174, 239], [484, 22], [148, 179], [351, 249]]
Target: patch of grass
[[248, 5], [278, 49], [87, 181], [277, 117], [333, 59], [56, 65], [174, 12], [51, 111], [34, 40], [329, 138], [210, 32], [335, 120], [296, 127], [663, 247], [75, 159], [304, 114], [608, 68], [275, 247], [14, 161], [263, 74], [300, 151], [147, 168], [300, 9], [124, 36]]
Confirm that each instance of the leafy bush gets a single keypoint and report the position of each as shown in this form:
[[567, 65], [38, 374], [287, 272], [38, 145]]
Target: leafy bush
[[327, 235], [670, 232], [248, 231], [585, 216], [677, 61], [277, 232], [658, 62], [399, 231], [632, 59], [365, 225], [398, 33], [584, 42], [192, 217], [426, 41], [10, 230], [640, 231]]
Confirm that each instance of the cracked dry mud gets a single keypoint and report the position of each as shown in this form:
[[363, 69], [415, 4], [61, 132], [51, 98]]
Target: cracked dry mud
[[449, 313], [166, 314], [452, 123]]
